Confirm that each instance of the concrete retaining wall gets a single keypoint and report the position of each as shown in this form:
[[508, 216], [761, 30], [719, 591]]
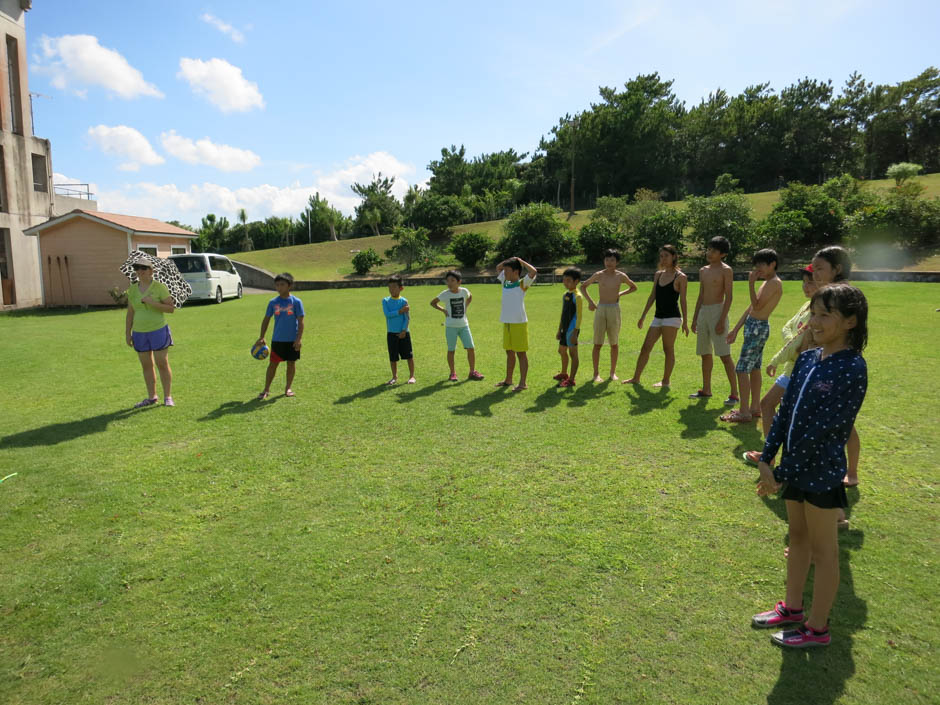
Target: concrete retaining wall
[[262, 279]]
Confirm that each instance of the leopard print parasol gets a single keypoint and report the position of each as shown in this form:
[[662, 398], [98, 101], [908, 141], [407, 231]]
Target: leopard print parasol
[[164, 271]]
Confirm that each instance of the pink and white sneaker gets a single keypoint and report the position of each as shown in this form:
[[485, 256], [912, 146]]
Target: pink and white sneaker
[[453, 377], [779, 616], [802, 637]]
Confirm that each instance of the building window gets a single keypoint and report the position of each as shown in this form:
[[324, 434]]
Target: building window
[[149, 249], [7, 290], [3, 185], [13, 82], [40, 178], [177, 250]]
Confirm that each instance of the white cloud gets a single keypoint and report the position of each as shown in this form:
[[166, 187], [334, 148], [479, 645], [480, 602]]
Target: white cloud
[[190, 204], [205, 151], [222, 83], [631, 19], [126, 143], [74, 61], [223, 27]]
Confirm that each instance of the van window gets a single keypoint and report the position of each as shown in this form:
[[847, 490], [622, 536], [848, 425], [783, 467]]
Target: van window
[[190, 265], [217, 264]]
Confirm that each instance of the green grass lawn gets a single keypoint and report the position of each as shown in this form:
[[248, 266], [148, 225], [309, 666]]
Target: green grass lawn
[[333, 260], [437, 543]]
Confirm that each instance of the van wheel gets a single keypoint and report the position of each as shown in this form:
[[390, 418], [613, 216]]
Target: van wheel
[[218, 295], [239, 294]]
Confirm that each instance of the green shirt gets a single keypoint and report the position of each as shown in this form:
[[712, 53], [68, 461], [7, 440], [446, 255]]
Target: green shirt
[[146, 317]]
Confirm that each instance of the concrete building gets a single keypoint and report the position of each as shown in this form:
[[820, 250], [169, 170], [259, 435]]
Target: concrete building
[[27, 194], [81, 253]]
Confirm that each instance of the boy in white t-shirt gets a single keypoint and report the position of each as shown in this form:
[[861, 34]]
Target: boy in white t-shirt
[[456, 300], [515, 322]]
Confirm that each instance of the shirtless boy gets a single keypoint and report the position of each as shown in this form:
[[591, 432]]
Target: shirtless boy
[[710, 321], [756, 332], [607, 309]]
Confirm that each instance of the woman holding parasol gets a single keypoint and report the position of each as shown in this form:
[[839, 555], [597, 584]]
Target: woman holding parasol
[[149, 298]]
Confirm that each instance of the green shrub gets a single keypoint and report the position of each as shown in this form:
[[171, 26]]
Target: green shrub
[[899, 219], [825, 214], [365, 260], [535, 234], [612, 208], [470, 248], [852, 193], [598, 235], [411, 246], [902, 171], [726, 183], [727, 215], [662, 227], [780, 230], [438, 213]]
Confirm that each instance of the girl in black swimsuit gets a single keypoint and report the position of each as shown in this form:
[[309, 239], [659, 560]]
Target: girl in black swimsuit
[[669, 287]]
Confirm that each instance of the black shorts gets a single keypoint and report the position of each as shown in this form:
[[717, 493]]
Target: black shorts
[[399, 347], [830, 499], [284, 352]]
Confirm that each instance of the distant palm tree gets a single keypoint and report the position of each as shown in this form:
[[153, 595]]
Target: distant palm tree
[[247, 244], [372, 218]]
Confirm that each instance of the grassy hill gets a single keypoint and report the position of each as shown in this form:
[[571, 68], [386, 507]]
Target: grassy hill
[[332, 260]]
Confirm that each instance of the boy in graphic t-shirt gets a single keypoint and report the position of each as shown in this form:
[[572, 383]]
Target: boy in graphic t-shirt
[[515, 322], [456, 300], [288, 314]]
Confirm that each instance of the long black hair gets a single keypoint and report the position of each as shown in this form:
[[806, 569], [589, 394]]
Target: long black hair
[[848, 301], [838, 259]]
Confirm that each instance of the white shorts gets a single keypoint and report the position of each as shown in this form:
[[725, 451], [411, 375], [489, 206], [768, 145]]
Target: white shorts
[[666, 322]]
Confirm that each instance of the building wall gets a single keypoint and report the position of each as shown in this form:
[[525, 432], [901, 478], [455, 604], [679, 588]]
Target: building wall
[[21, 205], [66, 204], [81, 261]]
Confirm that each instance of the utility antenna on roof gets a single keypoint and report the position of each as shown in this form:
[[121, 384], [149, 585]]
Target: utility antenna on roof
[[31, 118]]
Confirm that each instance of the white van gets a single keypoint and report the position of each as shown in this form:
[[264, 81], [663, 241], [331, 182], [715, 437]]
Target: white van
[[210, 275]]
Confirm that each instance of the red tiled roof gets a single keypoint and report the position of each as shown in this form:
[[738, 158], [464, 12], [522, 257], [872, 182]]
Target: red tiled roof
[[138, 224]]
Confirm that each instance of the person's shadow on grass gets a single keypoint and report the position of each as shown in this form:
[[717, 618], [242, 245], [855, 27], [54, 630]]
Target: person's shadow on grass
[[56, 433], [819, 677], [406, 396], [699, 420], [483, 405], [644, 401], [548, 399], [587, 392], [237, 406], [366, 393]]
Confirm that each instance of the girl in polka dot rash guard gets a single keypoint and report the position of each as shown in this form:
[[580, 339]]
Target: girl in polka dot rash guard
[[817, 413]]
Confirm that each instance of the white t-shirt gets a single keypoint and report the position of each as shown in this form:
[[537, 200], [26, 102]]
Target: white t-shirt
[[513, 298], [456, 307]]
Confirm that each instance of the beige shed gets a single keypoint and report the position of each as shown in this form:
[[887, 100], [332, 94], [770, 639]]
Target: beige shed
[[81, 253]]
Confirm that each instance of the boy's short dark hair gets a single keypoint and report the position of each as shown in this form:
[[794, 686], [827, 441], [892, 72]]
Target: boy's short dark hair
[[838, 259], [514, 264], [396, 279], [721, 244], [453, 273], [285, 277], [847, 301], [572, 272], [611, 252], [765, 256]]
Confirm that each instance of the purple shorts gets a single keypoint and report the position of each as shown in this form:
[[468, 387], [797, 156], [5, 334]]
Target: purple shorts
[[159, 339]]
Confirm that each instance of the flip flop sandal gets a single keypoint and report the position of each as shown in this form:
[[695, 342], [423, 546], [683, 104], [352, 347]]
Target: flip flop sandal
[[289, 393], [503, 384], [263, 396], [700, 395], [146, 402], [734, 417]]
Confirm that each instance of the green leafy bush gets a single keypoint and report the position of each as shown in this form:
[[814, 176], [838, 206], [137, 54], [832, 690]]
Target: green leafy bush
[[661, 227], [900, 219], [438, 213], [825, 214], [470, 248], [850, 192], [612, 208], [902, 171], [535, 234], [365, 260], [780, 230], [411, 246], [598, 235], [726, 183], [727, 215]]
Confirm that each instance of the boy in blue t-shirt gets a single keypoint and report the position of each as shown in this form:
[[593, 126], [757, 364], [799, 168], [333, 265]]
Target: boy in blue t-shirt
[[398, 338], [288, 314]]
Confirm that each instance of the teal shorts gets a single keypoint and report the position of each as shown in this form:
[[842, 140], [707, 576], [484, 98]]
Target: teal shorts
[[453, 333]]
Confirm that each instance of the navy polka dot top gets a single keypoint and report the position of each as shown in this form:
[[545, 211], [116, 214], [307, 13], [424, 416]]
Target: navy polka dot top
[[815, 418]]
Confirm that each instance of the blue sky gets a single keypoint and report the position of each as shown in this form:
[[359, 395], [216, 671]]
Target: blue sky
[[174, 109]]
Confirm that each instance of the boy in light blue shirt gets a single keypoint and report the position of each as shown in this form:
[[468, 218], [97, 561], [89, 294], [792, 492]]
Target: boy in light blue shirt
[[288, 314], [398, 338]]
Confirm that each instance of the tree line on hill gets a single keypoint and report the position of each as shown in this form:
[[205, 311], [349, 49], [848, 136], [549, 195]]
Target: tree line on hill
[[640, 137]]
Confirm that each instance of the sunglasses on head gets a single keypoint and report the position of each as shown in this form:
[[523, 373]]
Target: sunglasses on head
[[138, 267]]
